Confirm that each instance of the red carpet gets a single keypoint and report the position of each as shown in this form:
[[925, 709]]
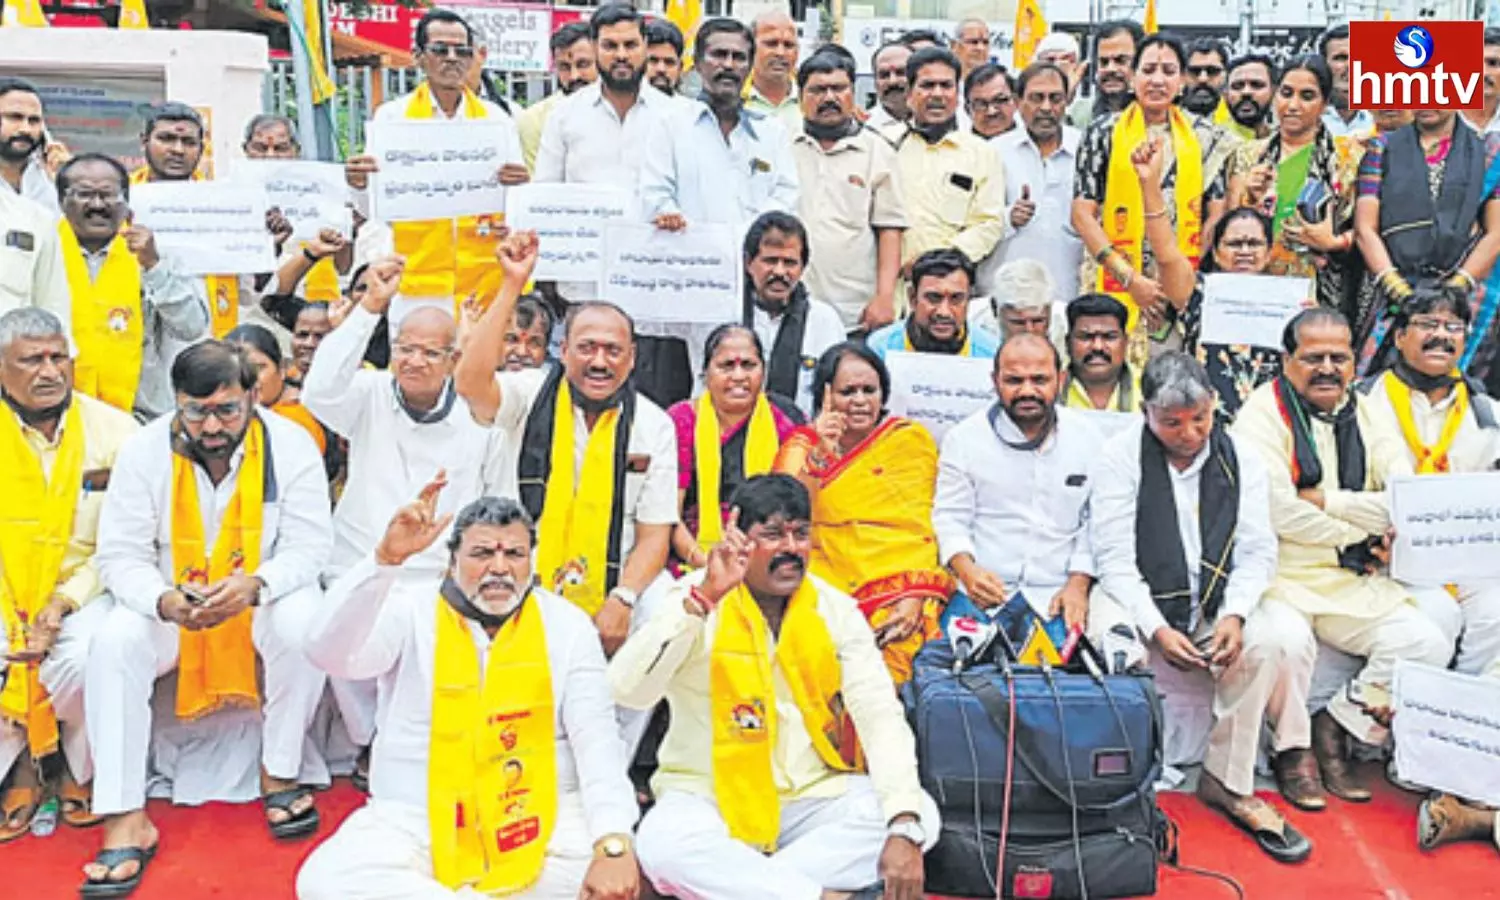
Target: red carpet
[[1364, 851]]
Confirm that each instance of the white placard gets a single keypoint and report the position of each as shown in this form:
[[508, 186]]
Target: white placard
[[1447, 731], [516, 35], [209, 227], [569, 220], [691, 276], [937, 389], [311, 195], [1447, 528], [1250, 309], [436, 169]]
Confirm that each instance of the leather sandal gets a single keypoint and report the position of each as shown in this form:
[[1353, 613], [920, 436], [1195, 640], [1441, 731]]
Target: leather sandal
[[296, 825], [18, 806], [1257, 818], [111, 859], [77, 805], [1299, 781]]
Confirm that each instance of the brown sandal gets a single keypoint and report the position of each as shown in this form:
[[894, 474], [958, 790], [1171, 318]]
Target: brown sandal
[[1265, 824], [77, 805], [14, 802]]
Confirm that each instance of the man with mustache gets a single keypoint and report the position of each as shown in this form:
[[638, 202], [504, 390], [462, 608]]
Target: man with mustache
[[990, 99], [889, 114], [942, 282], [1011, 508], [664, 48], [26, 157], [1486, 118], [793, 325], [1115, 46], [132, 306], [761, 791], [1330, 460], [1333, 46], [851, 198], [771, 89], [576, 67], [211, 511], [1098, 376], [971, 44], [1247, 94], [516, 673], [528, 339], [1447, 424], [56, 448], [1204, 77], [953, 182], [31, 265], [1183, 537]]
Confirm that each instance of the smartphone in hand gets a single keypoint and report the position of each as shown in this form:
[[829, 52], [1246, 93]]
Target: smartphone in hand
[[193, 593]]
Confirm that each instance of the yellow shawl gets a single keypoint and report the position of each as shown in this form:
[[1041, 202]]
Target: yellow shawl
[[223, 290], [572, 547], [1434, 459], [761, 445], [107, 320]]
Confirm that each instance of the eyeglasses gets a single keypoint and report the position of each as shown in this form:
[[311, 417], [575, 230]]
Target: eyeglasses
[[1237, 244], [426, 354], [994, 104], [1447, 326], [197, 413], [1210, 71], [451, 51], [86, 197]]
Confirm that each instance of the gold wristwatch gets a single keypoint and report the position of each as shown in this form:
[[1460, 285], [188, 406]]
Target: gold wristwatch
[[612, 846]]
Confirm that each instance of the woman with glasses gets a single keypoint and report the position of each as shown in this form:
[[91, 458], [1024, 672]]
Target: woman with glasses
[[872, 477]]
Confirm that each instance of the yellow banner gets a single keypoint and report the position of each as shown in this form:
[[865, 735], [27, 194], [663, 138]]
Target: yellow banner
[[1150, 24], [23, 14], [133, 14], [1031, 25], [323, 87], [686, 14]]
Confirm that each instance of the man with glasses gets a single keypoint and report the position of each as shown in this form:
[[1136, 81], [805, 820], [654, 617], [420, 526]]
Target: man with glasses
[[971, 44], [1203, 79], [1330, 460], [1098, 375], [131, 305], [213, 533], [1247, 94], [990, 98]]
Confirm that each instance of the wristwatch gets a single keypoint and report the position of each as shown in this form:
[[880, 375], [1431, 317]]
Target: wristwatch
[[625, 595], [911, 829], [611, 846]]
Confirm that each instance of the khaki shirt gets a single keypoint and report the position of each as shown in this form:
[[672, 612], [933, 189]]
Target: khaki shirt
[[955, 195]]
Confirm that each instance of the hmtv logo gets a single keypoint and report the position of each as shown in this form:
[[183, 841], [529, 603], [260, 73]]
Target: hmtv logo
[[1416, 65]]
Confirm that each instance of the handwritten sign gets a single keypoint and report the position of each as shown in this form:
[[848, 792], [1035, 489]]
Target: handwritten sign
[[311, 195], [1447, 528], [569, 220], [687, 277], [939, 390], [1250, 309], [209, 227], [1447, 730], [436, 169]]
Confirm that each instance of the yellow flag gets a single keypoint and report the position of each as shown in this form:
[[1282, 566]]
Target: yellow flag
[[23, 14], [686, 14], [1039, 648], [1150, 23], [1386, 16], [323, 87], [1031, 25], [133, 14]]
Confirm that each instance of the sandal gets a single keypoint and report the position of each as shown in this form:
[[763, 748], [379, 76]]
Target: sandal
[[1272, 832], [112, 858], [298, 825], [77, 805], [18, 801]]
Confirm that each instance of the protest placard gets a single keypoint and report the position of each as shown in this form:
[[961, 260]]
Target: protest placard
[[1250, 309], [311, 195], [690, 276], [569, 220], [208, 227], [436, 169], [937, 389], [1447, 528], [1447, 730]]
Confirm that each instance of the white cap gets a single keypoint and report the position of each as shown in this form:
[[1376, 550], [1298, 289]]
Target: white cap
[[1057, 42], [1023, 284]]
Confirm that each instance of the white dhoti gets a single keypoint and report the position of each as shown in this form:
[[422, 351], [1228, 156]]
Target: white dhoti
[[634, 722], [825, 843], [1403, 633], [1471, 621], [62, 675], [384, 852], [129, 652], [1268, 682]]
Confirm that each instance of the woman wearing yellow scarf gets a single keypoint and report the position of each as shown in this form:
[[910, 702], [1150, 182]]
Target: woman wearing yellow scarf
[[730, 433]]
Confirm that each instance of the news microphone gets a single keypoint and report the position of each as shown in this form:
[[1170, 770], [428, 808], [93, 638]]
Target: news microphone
[[969, 637]]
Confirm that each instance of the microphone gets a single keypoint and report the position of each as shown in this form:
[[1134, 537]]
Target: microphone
[[969, 637]]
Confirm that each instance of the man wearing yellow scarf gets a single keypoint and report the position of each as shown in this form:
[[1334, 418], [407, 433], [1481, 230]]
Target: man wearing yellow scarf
[[1098, 377], [212, 537], [56, 450], [1446, 424], [473, 658], [788, 769]]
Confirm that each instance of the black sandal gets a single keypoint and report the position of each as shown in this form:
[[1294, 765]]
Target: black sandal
[[296, 826], [111, 859]]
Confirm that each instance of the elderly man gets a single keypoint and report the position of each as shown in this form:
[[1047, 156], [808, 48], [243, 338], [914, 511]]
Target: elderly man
[[476, 657], [1182, 533], [1447, 424], [851, 198], [1060, 49], [1115, 46], [889, 114], [25, 154], [1330, 460], [971, 44], [132, 307], [771, 89], [576, 67], [761, 792], [1022, 300], [990, 100], [211, 511], [57, 448], [1247, 95], [1098, 375], [942, 282]]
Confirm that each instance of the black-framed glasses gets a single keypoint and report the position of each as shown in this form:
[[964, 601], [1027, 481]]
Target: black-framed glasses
[[1447, 326], [994, 104], [87, 196], [451, 51], [196, 413], [1210, 71]]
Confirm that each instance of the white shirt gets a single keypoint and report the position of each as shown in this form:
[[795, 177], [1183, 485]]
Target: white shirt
[[1117, 481], [1474, 449], [135, 527], [1049, 237], [1361, 123], [1022, 514], [391, 457], [650, 496], [824, 329], [31, 264], [38, 187], [377, 623]]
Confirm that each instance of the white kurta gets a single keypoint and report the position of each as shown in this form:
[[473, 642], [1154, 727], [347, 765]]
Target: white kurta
[[376, 625]]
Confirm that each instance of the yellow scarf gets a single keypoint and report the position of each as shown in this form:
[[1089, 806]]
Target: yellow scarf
[[761, 445], [1123, 191], [966, 350], [106, 320], [492, 763], [36, 523], [572, 545], [216, 666], [742, 687], [321, 283], [449, 257], [1430, 460], [223, 290]]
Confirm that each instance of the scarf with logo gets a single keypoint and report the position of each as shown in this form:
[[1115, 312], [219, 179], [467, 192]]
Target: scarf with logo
[[107, 320], [223, 290]]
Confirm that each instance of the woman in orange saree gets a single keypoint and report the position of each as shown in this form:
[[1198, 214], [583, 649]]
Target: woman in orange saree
[[871, 476]]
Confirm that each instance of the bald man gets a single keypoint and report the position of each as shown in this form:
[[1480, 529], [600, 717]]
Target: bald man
[[403, 426], [773, 88]]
